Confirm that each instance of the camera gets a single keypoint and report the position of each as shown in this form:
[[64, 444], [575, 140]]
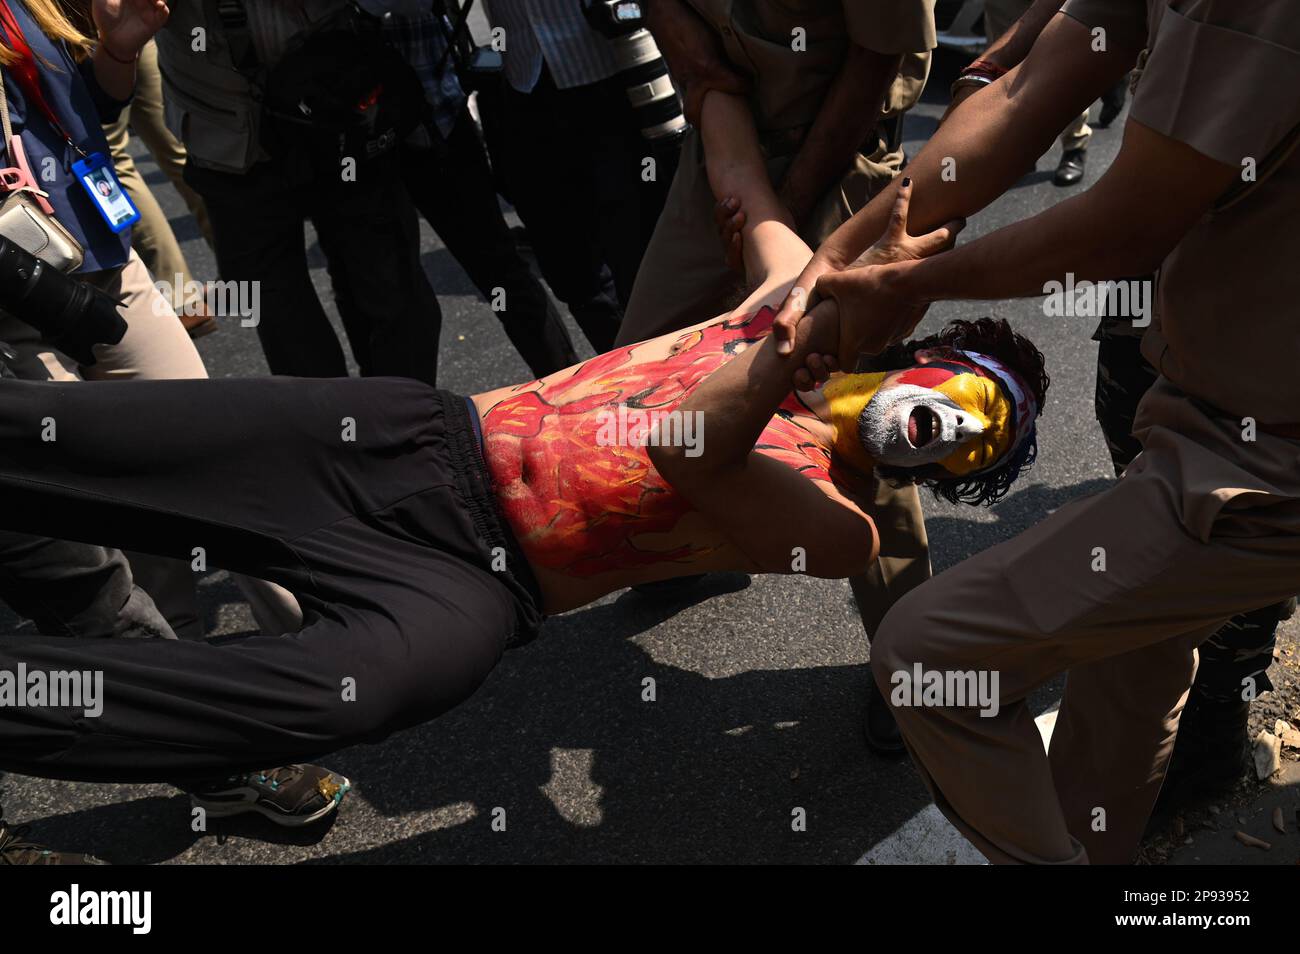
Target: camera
[[71, 314], [642, 69]]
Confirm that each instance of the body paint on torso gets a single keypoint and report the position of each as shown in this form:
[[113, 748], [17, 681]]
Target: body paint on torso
[[581, 505]]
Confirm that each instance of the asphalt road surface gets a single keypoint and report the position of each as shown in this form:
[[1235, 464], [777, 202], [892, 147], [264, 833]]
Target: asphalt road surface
[[759, 683]]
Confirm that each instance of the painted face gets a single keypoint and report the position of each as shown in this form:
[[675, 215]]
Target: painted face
[[943, 412]]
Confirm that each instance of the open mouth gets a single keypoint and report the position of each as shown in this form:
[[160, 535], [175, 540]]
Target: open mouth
[[922, 425]]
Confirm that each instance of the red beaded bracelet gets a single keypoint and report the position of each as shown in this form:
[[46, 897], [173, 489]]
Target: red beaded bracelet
[[985, 68]]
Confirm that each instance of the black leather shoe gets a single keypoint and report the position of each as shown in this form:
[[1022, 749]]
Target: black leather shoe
[[1070, 170], [883, 737], [1211, 754], [1112, 103]]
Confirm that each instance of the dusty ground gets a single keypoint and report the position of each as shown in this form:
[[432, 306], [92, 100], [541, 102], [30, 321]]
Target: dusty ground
[[1206, 832]]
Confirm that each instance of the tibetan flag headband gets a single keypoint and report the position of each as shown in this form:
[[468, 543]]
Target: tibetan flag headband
[[1024, 407]]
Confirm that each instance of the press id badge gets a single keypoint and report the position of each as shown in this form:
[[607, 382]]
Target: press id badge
[[100, 182]]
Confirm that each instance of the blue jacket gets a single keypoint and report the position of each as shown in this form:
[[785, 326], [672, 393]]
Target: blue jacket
[[82, 106]]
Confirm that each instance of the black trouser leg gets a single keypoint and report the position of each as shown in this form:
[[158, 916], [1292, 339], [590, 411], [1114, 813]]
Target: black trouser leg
[[456, 196], [547, 160], [346, 491], [257, 225], [370, 235]]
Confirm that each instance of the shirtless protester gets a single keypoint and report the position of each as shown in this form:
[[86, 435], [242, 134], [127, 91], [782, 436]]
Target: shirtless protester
[[424, 532]]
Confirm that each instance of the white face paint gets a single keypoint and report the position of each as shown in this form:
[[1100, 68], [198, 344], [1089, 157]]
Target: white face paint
[[904, 425]]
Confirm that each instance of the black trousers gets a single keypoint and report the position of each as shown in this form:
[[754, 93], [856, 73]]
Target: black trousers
[[452, 188], [572, 163], [367, 498], [368, 232]]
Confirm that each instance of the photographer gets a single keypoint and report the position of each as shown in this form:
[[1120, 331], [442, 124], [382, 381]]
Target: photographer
[[573, 155], [290, 114], [60, 87], [450, 182], [108, 322]]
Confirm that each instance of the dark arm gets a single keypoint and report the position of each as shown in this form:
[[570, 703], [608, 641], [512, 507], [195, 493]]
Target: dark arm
[[985, 145], [849, 112]]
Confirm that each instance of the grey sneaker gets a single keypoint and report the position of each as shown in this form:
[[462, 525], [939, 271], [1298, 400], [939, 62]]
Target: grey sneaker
[[290, 795], [16, 850]]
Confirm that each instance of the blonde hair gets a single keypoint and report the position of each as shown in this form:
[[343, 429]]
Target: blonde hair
[[54, 23]]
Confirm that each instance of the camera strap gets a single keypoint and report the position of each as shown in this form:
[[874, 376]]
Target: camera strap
[[239, 37], [458, 32]]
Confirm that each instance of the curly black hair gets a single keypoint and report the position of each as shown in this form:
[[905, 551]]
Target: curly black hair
[[993, 337]]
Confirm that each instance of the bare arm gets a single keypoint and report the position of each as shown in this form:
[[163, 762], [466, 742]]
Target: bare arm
[[736, 486], [694, 54], [850, 110], [1155, 190], [124, 27], [736, 170], [1012, 47], [987, 143]]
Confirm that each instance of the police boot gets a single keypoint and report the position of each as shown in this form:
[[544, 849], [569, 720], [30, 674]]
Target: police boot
[[1211, 753]]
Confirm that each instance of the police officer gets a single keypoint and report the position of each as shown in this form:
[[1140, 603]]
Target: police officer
[[1119, 588], [828, 86], [1213, 743]]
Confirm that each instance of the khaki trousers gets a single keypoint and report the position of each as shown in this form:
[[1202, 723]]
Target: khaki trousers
[[999, 17], [1118, 589], [684, 279], [152, 236]]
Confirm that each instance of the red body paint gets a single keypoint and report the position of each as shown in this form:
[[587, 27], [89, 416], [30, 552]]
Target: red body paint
[[577, 505]]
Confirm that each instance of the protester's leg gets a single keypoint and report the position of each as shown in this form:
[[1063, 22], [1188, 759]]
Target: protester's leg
[[257, 222], [367, 521], [1147, 562], [551, 189], [456, 196], [149, 124], [371, 239]]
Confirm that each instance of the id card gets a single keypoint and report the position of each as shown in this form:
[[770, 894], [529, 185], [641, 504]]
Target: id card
[[100, 182]]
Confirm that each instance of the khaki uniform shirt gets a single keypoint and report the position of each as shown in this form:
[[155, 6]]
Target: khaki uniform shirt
[[1223, 76], [790, 84]]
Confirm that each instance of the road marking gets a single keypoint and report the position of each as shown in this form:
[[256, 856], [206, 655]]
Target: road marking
[[927, 838]]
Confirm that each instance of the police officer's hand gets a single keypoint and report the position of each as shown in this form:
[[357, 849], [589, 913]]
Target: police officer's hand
[[820, 274], [873, 308], [694, 54]]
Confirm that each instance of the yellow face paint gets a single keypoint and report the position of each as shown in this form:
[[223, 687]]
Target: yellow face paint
[[847, 395], [982, 399]]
